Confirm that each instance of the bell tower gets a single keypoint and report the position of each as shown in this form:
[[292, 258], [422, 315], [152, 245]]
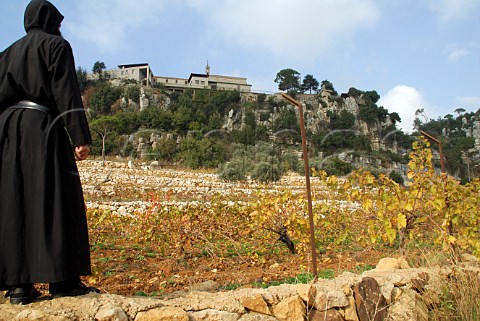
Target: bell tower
[[207, 69]]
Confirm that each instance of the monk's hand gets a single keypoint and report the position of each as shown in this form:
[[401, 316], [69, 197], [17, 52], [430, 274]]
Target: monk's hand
[[81, 152]]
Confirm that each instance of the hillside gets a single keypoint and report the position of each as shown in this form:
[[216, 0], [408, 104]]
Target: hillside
[[205, 128]]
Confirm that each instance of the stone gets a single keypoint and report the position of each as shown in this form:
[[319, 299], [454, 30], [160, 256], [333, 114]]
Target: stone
[[387, 291], [307, 292], [290, 309], [385, 276], [331, 299], [350, 311], [329, 315], [257, 317], [402, 263], [111, 313], [208, 286], [35, 315], [214, 315], [282, 291], [408, 306], [197, 301], [255, 303], [387, 263], [163, 314], [269, 298], [370, 303]]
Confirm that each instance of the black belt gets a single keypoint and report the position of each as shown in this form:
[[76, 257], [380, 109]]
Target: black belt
[[25, 104]]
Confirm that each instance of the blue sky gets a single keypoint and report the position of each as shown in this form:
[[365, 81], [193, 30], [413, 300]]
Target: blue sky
[[414, 53]]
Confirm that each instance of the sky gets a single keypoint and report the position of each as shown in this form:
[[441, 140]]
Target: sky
[[413, 53]]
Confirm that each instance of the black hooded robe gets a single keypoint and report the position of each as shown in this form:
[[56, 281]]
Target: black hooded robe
[[43, 226]]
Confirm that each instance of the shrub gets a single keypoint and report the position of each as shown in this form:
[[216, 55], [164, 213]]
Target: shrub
[[232, 171], [166, 150], [337, 167], [290, 162], [266, 172]]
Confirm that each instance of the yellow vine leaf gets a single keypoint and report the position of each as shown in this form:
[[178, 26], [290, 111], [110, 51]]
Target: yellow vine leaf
[[410, 174], [451, 239], [391, 234], [367, 205], [392, 207], [409, 207], [439, 204], [370, 179], [401, 221]]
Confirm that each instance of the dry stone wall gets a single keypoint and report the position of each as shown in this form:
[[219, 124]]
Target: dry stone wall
[[392, 291]]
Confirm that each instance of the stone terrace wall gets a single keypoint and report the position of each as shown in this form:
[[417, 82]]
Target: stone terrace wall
[[391, 291]]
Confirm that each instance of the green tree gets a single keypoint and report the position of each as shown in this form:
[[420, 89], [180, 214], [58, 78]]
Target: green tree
[[342, 120], [82, 79], [371, 113], [261, 98], [354, 92], [156, 118], [395, 117], [103, 126], [182, 118], [98, 68], [129, 122], [166, 150], [371, 96], [133, 93], [204, 152], [103, 97], [309, 84], [329, 86], [288, 80]]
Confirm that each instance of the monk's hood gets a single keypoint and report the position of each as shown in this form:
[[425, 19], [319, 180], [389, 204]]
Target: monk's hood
[[41, 14]]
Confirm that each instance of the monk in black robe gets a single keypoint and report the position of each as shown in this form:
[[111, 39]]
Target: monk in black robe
[[43, 128]]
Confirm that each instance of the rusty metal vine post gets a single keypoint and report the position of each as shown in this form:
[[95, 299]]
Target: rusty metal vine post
[[440, 150], [449, 229], [307, 179]]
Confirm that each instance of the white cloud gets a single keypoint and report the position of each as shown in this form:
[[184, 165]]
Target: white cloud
[[470, 101], [448, 10], [300, 29], [455, 52], [107, 23], [404, 100]]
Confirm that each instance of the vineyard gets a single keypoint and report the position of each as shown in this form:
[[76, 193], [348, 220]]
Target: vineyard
[[159, 230]]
